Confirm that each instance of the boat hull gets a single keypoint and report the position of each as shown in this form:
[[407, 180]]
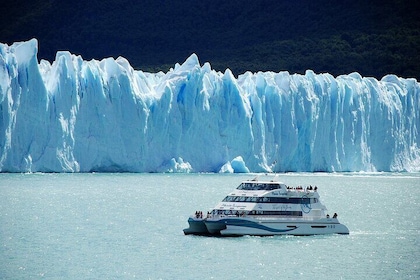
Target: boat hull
[[196, 227], [243, 226]]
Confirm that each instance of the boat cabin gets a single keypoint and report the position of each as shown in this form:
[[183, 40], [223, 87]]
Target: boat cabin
[[258, 186]]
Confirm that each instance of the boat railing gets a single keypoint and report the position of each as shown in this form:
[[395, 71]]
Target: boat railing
[[289, 218], [265, 218]]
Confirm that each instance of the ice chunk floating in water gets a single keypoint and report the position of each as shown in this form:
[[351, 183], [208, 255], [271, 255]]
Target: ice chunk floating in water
[[78, 116]]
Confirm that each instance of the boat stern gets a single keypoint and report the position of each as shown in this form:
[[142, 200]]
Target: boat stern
[[342, 229]]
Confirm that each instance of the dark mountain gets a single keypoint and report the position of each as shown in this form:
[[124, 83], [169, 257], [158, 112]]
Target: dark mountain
[[373, 38]]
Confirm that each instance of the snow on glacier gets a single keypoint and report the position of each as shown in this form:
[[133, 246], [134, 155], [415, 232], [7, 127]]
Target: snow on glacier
[[73, 115]]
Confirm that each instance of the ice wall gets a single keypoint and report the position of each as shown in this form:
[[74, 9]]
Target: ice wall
[[80, 116]]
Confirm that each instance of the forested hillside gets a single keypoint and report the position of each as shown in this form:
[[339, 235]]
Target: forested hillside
[[373, 38]]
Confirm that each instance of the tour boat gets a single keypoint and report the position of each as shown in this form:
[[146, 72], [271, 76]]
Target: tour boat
[[265, 206]]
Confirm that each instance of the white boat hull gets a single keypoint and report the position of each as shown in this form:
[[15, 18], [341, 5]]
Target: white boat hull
[[243, 226]]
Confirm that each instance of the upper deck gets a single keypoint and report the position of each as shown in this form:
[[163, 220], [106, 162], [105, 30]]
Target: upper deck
[[269, 185], [261, 186], [262, 183]]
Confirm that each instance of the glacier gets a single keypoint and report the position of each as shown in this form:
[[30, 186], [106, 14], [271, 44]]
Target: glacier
[[73, 115]]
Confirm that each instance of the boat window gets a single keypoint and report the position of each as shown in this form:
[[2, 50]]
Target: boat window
[[245, 186], [254, 199], [305, 200], [274, 187], [268, 187], [275, 213], [258, 186], [251, 199]]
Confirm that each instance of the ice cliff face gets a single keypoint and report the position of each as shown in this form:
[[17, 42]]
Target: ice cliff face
[[80, 116]]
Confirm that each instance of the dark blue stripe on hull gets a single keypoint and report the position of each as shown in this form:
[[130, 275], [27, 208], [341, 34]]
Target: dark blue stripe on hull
[[246, 223]]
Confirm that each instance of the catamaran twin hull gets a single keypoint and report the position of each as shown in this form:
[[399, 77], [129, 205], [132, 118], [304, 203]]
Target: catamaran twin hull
[[233, 226]]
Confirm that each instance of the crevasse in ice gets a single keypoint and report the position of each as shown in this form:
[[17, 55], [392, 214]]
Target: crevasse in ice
[[80, 116]]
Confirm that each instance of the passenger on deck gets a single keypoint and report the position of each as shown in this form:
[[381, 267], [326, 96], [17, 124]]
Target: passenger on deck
[[328, 216], [335, 216]]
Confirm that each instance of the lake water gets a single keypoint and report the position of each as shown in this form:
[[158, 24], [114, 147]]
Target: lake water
[[125, 226]]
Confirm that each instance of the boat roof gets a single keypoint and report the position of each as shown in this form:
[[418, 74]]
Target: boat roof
[[265, 178]]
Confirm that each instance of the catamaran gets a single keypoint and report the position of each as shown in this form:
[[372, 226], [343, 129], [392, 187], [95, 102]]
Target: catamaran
[[265, 206]]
